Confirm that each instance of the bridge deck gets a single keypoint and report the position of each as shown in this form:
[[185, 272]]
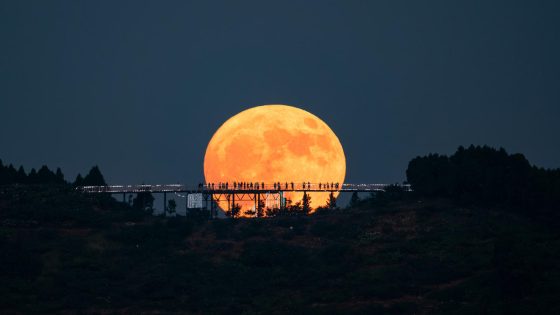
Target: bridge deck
[[222, 189]]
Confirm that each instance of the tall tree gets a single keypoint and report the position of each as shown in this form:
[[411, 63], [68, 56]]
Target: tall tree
[[354, 200], [79, 181], [144, 201], [45, 175], [306, 203], [331, 202], [94, 178], [171, 207], [32, 177], [260, 209], [3, 179], [11, 174], [21, 176], [59, 176]]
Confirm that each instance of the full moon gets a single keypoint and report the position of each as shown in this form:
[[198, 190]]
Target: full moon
[[275, 143]]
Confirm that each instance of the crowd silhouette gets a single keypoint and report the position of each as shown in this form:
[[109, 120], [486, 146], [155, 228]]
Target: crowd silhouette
[[270, 186]]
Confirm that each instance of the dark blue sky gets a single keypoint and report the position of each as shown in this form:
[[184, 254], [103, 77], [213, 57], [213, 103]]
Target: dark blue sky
[[140, 87]]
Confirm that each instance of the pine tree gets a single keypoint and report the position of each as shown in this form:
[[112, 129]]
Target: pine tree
[[306, 203], [32, 177], [3, 179], [171, 207], [354, 200], [79, 181], [331, 202], [59, 176], [94, 178], [144, 201], [21, 176], [45, 175], [11, 174], [260, 209]]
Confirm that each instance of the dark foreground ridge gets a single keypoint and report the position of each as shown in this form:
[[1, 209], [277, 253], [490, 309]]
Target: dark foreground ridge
[[64, 253], [479, 234]]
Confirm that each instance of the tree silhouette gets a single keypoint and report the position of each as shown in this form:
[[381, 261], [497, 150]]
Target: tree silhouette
[[2, 173], [32, 177], [144, 201], [250, 212], [21, 177], [234, 212], [45, 176], [11, 174], [483, 175], [354, 200], [171, 207], [79, 181], [272, 212], [94, 178], [331, 202], [260, 209], [59, 176], [306, 204]]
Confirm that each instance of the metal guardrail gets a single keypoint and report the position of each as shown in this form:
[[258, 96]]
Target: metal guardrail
[[241, 187]]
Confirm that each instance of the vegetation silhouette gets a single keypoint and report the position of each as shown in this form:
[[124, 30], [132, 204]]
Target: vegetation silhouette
[[144, 201], [171, 207], [456, 245], [485, 176]]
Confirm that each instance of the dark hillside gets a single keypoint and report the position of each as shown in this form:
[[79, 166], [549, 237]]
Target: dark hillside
[[405, 257]]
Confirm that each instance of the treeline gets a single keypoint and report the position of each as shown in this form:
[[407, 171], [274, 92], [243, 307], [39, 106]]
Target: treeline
[[9, 175], [484, 175]]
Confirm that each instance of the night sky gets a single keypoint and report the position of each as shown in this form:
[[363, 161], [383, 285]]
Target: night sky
[[139, 88]]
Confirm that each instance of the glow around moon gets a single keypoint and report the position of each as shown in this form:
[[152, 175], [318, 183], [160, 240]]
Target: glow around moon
[[275, 143]]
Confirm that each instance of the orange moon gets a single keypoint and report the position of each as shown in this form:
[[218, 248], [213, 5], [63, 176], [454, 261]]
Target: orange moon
[[275, 143]]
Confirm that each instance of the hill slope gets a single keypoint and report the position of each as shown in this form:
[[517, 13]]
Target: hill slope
[[406, 257]]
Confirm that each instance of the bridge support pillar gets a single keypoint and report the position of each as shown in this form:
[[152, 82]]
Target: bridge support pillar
[[164, 203], [186, 204], [258, 204], [209, 202]]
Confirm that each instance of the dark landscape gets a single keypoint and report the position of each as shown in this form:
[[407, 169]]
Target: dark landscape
[[279, 157], [456, 245]]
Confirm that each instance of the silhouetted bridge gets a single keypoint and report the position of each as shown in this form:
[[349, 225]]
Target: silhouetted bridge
[[205, 196]]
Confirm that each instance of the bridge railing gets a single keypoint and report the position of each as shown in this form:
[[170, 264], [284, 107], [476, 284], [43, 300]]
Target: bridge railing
[[232, 187]]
